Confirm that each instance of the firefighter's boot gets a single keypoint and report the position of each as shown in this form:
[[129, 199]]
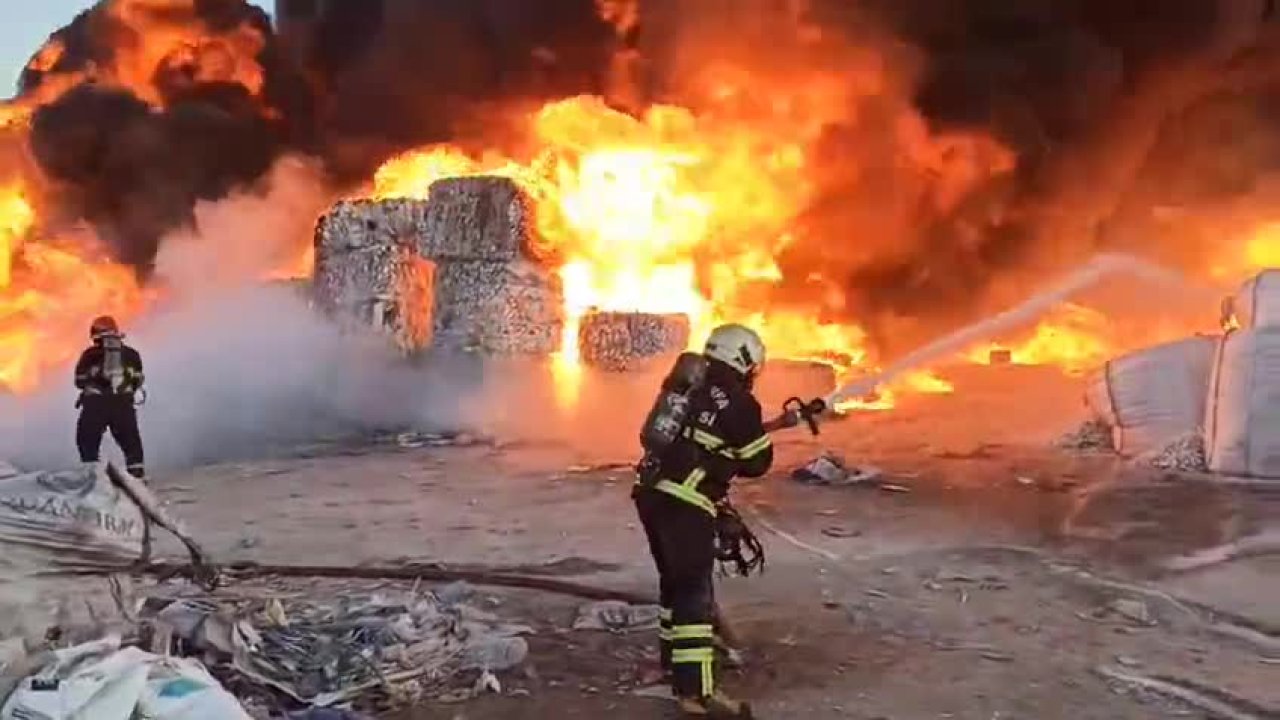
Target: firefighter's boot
[[715, 707]]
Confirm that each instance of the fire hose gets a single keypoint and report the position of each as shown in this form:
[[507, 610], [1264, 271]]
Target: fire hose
[[1102, 266]]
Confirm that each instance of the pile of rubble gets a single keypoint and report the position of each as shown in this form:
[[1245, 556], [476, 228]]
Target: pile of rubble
[[372, 651], [272, 655]]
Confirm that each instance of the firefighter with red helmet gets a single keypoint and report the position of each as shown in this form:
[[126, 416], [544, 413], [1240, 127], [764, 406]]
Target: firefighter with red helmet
[[110, 379], [705, 430]]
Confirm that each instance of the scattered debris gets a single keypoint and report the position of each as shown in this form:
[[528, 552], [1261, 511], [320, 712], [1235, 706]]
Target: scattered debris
[[420, 439], [324, 654], [836, 531], [599, 468], [1134, 610], [890, 487], [1186, 454], [1092, 436], [616, 616], [831, 469]]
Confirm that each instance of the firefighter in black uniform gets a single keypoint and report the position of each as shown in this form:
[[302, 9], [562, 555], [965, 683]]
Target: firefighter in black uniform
[[109, 377], [679, 499]]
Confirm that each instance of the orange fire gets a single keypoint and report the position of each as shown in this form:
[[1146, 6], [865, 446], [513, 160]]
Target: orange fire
[[155, 37], [49, 292], [662, 213], [1074, 338]]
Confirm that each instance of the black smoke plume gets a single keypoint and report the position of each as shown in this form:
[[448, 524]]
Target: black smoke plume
[[136, 168], [1110, 108]]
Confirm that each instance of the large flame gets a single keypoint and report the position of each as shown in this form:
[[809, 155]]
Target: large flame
[[157, 46], [664, 213], [1074, 338], [49, 291]]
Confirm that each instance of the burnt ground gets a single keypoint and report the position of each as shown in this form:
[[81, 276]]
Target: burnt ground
[[998, 579]]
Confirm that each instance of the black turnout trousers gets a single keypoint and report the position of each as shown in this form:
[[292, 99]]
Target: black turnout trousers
[[100, 413], [682, 541]]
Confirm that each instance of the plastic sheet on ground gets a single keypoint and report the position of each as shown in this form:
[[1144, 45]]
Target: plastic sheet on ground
[[616, 616], [78, 518], [104, 681], [56, 526], [832, 470], [327, 653]]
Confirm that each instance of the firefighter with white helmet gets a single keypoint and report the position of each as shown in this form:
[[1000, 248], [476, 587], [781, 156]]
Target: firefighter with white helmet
[[706, 429]]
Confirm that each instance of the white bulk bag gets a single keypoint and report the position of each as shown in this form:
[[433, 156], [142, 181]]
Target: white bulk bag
[[102, 681], [1257, 303], [1242, 418], [1154, 396]]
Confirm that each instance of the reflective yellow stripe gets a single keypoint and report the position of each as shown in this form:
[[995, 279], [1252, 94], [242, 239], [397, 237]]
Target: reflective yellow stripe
[[664, 615], [693, 497], [705, 657], [692, 632], [704, 438], [708, 679], [695, 477], [693, 655], [750, 450], [664, 634]]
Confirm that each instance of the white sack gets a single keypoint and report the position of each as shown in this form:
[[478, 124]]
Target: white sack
[[102, 681], [1152, 397], [54, 523], [72, 520], [1242, 419]]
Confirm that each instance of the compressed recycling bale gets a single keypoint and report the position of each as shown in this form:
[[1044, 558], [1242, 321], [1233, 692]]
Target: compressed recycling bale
[[368, 270], [476, 219], [497, 308], [618, 341]]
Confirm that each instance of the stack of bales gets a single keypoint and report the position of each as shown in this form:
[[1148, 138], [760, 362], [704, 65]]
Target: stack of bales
[[1223, 391], [451, 273]]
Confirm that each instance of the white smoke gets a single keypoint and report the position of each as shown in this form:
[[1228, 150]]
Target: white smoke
[[238, 365], [251, 235]]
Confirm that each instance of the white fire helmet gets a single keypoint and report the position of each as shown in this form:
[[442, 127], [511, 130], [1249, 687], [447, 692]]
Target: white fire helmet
[[737, 346]]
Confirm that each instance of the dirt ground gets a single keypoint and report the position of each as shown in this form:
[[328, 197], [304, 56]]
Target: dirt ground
[[996, 578]]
